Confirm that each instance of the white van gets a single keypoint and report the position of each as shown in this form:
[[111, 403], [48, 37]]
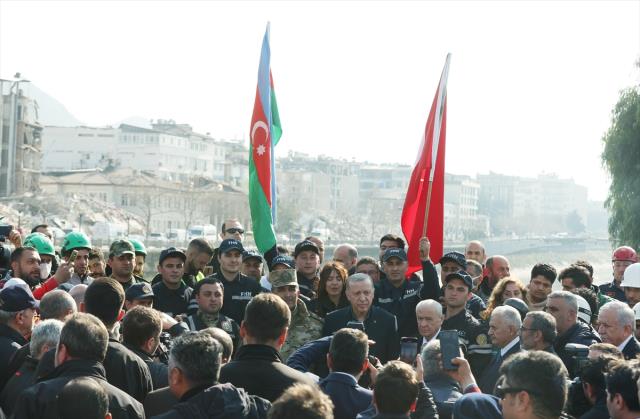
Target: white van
[[208, 231]]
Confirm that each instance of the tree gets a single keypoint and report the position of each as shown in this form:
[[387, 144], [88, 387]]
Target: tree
[[621, 158], [574, 223]]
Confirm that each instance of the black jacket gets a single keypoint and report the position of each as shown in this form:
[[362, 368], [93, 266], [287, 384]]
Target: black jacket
[[401, 302], [260, 371], [431, 290], [41, 399], [21, 379], [307, 286], [380, 326], [127, 371], [172, 302], [631, 349], [237, 294], [221, 401], [579, 333], [225, 323], [159, 371], [490, 375], [10, 342]]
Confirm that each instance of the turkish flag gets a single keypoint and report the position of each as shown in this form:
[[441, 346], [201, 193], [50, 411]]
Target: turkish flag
[[428, 172]]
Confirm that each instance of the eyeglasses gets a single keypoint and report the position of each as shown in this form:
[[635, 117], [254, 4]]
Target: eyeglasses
[[235, 230], [523, 329], [502, 390]]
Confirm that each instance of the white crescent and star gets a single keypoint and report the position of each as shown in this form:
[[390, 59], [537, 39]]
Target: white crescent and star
[[260, 149]]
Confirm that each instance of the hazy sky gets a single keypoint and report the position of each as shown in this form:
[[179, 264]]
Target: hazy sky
[[531, 85]]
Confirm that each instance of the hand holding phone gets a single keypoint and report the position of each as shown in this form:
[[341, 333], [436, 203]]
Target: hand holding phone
[[449, 348], [408, 349], [73, 257]]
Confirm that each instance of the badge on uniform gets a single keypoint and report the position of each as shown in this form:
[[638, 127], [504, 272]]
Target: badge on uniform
[[482, 339]]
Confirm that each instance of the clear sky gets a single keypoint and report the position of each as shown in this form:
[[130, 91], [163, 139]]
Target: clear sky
[[531, 85]]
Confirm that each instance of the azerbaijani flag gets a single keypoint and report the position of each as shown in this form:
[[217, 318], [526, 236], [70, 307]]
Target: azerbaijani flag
[[265, 133]]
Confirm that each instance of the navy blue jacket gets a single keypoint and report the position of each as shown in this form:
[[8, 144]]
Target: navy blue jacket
[[310, 353], [613, 291], [401, 302], [477, 405], [631, 349], [380, 326], [491, 374], [347, 396]]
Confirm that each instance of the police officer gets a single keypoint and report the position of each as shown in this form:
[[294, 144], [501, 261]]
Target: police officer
[[239, 288], [397, 295], [621, 259], [449, 263], [252, 264], [457, 288], [172, 295], [140, 294], [307, 259], [305, 326], [121, 260], [209, 295]]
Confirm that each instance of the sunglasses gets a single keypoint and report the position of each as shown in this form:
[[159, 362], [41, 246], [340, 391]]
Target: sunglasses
[[235, 230]]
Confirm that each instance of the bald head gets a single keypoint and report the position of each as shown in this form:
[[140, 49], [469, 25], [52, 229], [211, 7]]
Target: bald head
[[475, 251], [347, 255], [498, 267]]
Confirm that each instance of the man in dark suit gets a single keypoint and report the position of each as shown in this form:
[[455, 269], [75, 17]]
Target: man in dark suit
[[257, 367], [347, 360], [504, 330], [379, 325], [616, 322]]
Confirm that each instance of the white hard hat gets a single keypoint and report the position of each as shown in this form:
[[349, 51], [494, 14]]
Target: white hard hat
[[636, 311], [584, 310], [631, 277]]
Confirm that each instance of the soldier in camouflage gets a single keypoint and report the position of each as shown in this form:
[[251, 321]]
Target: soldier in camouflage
[[305, 326]]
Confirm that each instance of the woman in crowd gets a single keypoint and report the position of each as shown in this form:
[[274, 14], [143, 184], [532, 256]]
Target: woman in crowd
[[508, 287], [331, 289]]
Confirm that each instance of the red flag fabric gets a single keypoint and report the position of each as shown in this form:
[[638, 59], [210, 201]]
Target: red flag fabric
[[428, 170]]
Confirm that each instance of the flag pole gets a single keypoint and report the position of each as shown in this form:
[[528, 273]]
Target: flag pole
[[436, 136], [426, 210]]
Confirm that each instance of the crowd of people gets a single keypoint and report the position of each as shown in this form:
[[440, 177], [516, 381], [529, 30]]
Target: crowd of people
[[228, 332]]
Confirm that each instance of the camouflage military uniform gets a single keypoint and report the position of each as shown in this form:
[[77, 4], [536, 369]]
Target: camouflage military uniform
[[305, 326]]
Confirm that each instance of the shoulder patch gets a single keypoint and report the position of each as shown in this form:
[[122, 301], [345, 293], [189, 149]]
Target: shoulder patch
[[482, 339]]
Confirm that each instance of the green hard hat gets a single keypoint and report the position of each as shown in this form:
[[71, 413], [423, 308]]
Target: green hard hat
[[76, 240], [41, 242], [138, 246]]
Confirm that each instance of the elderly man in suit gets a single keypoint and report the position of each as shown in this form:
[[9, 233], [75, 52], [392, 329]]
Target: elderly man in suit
[[504, 330], [616, 322]]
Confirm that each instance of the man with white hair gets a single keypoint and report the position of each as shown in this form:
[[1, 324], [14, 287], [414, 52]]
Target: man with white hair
[[45, 336], [504, 330], [444, 388], [616, 323], [430, 317], [379, 325], [563, 305]]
